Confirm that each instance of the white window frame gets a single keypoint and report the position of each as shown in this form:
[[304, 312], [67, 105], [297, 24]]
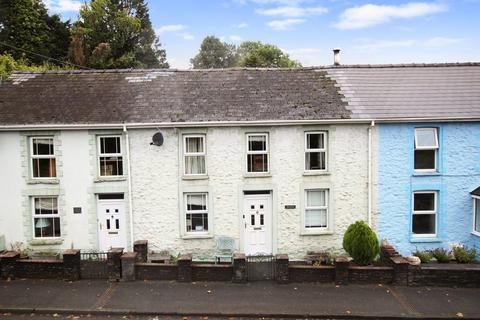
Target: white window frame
[[248, 152], [43, 156], [324, 150], [474, 231], [185, 197], [57, 215], [100, 155], [435, 212], [195, 154], [434, 147], [326, 207]]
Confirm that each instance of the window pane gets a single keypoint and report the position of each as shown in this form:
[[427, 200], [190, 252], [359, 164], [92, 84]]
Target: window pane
[[43, 147], [195, 165], [315, 161], [424, 202], [477, 215], [426, 138], [196, 202], [316, 218], [197, 222], [110, 145], [315, 141], [316, 198], [423, 224], [46, 206], [425, 159], [257, 143], [44, 168], [257, 163], [194, 144], [111, 166], [44, 227]]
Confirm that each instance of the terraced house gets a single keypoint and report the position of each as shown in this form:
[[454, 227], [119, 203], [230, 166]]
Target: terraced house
[[280, 161]]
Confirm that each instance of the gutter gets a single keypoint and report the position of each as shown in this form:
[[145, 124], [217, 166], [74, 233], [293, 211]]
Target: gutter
[[155, 125], [129, 181], [370, 173]]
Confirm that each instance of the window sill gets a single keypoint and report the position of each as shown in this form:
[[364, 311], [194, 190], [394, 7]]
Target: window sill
[[45, 242], [316, 232], [110, 179], [426, 174], [257, 175], [199, 177], [197, 236], [316, 173], [476, 233], [43, 181], [426, 239]]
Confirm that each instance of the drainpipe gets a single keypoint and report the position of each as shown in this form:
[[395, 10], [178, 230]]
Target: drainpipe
[[129, 179], [370, 172]]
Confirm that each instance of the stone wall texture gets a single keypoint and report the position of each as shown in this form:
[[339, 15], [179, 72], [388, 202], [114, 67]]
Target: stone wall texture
[[459, 174]]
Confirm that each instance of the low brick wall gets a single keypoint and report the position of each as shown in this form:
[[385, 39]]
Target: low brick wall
[[39, 269], [370, 274], [212, 272], [305, 273], [156, 271], [446, 275]]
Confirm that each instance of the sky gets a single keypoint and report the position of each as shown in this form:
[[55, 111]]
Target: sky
[[367, 32]]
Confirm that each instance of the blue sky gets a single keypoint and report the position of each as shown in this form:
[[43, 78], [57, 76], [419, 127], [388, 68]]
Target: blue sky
[[368, 32]]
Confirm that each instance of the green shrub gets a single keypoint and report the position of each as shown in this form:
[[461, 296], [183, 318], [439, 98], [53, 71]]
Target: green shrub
[[425, 256], [361, 243], [464, 255], [441, 255]]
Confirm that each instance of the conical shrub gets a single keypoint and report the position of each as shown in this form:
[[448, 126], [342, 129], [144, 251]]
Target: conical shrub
[[361, 243]]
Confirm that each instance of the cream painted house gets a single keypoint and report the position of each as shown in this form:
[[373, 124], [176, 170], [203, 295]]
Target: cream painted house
[[98, 159]]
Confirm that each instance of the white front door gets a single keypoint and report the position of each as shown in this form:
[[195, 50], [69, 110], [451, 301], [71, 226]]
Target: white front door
[[258, 224], [111, 224]]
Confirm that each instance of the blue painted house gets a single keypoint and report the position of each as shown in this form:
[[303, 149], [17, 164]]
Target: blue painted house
[[428, 138]]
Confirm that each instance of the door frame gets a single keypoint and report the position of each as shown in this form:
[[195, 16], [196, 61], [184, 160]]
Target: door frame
[[99, 233], [273, 203]]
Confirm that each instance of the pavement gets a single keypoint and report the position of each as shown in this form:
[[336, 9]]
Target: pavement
[[226, 300]]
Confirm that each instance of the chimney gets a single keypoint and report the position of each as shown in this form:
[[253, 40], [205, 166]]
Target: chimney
[[336, 57]]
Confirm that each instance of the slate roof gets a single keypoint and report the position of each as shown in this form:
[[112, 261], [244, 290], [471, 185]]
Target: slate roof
[[410, 91], [146, 96], [476, 192]]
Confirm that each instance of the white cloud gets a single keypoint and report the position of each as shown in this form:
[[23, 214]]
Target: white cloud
[[187, 36], [170, 28], [373, 45], [284, 24], [235, 38], [370, 14], [272, 2], [441, 41], [63, 5], [242, 25], [292, 11], [303, 51]]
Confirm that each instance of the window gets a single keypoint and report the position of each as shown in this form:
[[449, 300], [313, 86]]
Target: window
[[315, 151], [196, 209], [257, 153], [316, 208], [476, 215], [426, 149], [424, 221], [194, 154], [110, 156], [43, 157], [46, 221]]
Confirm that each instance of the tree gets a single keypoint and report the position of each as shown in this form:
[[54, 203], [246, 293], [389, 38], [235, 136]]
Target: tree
[[214, 54], [116, 34], [8, 65], [257, 54], [25, 24], [361, 243]]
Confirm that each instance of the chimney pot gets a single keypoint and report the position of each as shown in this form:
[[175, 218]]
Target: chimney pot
[[336, 57]]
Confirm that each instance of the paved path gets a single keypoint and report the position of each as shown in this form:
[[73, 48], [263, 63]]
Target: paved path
[[223, 299]]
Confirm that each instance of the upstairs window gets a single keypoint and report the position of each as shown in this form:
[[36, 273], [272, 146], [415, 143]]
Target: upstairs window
[[257, 153], [476, 215], [43, 157], [424, 220], [426, 149], [315, 151], [46, 221], [110, 156], [196, 211], [194, 154], [316, 209]]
